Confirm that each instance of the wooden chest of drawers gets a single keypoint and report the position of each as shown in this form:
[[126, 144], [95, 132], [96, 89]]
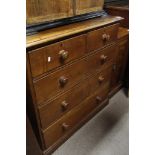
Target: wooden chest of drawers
[[69, 77]]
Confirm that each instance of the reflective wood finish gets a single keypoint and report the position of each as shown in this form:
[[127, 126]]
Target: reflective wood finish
[[70, 77], [39, 11], [86, 6]]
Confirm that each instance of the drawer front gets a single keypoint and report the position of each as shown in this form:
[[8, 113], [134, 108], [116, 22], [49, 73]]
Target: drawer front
[[64, 103], [55, 55], [59, 81], [68, 76], [99, 38], [65, 78], [71, 119], [102, 58]]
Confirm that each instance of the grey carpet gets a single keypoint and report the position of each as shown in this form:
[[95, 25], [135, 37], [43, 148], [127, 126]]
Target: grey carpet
[[106, 134]]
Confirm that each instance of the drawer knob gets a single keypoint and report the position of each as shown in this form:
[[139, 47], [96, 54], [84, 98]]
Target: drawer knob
[[65, 126], [63, 55], [63, 81], [64, 105], [106, 37], [101, 79], [98, 99], [103, 58]]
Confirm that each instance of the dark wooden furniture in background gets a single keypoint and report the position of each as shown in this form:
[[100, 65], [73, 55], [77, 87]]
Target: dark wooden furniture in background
[[119, 8], [121, 60]]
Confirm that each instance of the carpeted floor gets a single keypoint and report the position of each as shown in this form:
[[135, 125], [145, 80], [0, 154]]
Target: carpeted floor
[[106, 134]]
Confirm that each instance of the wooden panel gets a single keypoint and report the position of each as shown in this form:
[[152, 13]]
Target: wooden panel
[[52, 56], [64, 103], [120, 62], [67, 122], [119, 10], [37, 62], [99, 38], [51, 85], [45, 37], [102, 58], [87, 6], [39, 11]]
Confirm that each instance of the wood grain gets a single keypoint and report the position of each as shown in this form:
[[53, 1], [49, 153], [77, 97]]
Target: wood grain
[[95, 38], [75, 47], [39, 11], [50, 35], [48, 87], [54, 109], [87, 6], [75, 116]]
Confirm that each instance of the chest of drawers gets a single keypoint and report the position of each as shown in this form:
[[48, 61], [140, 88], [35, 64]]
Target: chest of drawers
[[69, 72]]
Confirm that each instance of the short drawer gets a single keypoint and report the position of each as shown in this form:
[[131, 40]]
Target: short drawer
[[101, 58], [74, 117], [99, 38], [55, 55], [68, 76], [65, 102]]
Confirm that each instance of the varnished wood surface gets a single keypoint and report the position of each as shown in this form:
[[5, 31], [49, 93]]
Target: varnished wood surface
[[76, 127], [86, 6], [98, 38], [72, 118], [67, 101], [47, 58], [79, 75], [122, 32], [121, 57], [74, 73], [39, 11], [119, 10], [67, 30]]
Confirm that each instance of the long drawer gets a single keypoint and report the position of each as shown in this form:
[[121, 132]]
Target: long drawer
[[55, 55], [63, 79], [65, 102], [71, 119]]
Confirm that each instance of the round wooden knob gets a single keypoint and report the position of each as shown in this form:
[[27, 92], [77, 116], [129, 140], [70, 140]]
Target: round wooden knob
[[63, 55], [104, 37], [108, 37], [98, 99], [103, 58], [63, 80], [65, 126], [101, 79], [64, 105]]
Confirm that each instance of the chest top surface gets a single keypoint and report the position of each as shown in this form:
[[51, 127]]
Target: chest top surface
[[61, 32]]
